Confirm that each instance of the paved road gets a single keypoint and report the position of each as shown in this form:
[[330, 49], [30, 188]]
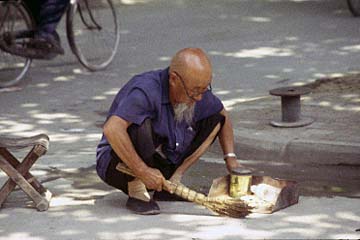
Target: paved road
[[255, 45]]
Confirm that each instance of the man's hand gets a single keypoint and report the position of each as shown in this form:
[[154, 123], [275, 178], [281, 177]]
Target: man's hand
[[232, 163], [152, 178]]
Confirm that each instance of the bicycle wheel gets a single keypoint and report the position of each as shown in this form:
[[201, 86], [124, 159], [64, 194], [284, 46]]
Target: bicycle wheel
[[93, 32], [354, 6], [13, 17]]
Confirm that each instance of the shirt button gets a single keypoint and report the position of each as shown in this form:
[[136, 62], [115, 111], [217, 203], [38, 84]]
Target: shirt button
[[177, 144]]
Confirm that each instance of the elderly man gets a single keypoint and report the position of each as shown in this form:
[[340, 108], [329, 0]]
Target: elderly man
[[159, 124]]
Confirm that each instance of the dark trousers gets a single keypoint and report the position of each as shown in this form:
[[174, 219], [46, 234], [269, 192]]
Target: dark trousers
[[143, 137], [47, 14]]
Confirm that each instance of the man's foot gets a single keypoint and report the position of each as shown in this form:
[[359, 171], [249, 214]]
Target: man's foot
[[166, 196], [142, 207]]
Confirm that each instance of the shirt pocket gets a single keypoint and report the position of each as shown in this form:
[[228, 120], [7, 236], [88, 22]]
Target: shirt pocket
[[189, 135]]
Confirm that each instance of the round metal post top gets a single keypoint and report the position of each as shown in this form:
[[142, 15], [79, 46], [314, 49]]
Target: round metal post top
[[290, 91], [241, 171]]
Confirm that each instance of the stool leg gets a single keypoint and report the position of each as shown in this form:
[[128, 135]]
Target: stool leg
[[28, 176], [40, 201]]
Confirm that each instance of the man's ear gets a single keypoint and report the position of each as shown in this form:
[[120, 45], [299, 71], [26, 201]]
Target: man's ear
[[172, 79]]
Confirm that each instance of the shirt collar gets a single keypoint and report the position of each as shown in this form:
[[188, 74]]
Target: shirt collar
[[165, 99]]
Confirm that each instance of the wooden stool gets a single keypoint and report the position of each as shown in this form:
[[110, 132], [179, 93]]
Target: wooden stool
[[18, 172]]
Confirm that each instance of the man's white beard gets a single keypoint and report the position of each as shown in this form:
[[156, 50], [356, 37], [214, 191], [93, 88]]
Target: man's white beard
[[184, 112]]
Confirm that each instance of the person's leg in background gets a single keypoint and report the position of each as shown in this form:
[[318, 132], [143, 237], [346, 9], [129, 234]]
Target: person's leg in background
[[50, 15], [43, 42], [34, 8]]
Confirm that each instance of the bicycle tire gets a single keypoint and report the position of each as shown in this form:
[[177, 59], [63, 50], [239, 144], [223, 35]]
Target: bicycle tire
[[80, 34], [13, 68], [354, 7]]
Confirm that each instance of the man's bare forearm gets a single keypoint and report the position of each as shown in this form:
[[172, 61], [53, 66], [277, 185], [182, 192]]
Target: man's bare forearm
[[115, 131], [226, 139], [226, 135]]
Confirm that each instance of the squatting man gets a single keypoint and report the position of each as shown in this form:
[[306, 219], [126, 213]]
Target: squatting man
[[159, 125]]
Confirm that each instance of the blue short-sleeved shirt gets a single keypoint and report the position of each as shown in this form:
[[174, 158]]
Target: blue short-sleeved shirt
[[147, 96]]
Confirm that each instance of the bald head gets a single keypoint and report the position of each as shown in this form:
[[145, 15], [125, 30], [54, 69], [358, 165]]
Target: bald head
[[193, 64], [190, 75]]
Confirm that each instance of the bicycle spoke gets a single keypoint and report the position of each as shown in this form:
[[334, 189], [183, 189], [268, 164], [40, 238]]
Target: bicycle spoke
[[12, 21], [6, 15]]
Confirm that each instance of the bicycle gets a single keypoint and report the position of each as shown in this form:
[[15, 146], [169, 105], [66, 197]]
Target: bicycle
[[354, 6], [90, 24]]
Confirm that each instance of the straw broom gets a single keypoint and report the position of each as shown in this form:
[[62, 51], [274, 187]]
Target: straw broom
[[231, 207]]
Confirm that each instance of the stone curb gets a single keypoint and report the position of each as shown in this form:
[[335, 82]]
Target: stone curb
[[297, 151]]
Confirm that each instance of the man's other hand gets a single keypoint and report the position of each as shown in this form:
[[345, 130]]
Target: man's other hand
[[152, 178], [232, 163]]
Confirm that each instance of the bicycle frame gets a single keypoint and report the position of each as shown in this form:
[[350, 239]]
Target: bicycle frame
[[7, 11], [97, 26], [354, 7], [86, 15]]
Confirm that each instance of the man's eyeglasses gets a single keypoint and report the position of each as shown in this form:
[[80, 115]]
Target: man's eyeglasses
[[193, 94]]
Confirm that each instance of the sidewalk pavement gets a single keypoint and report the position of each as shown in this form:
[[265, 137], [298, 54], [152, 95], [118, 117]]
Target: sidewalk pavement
[[323, 157], [333, 138], [106, 219]]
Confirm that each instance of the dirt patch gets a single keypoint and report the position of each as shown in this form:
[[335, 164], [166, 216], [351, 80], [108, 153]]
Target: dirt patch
[[349, 83]]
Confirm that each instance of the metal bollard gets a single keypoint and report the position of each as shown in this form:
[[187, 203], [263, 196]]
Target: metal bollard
[[291, 107]]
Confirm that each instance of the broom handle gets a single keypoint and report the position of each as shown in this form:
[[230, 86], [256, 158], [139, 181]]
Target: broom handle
[[177, 189]]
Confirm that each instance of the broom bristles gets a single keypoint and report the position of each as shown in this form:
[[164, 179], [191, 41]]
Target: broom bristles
[[221, 205], [236, 208]]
